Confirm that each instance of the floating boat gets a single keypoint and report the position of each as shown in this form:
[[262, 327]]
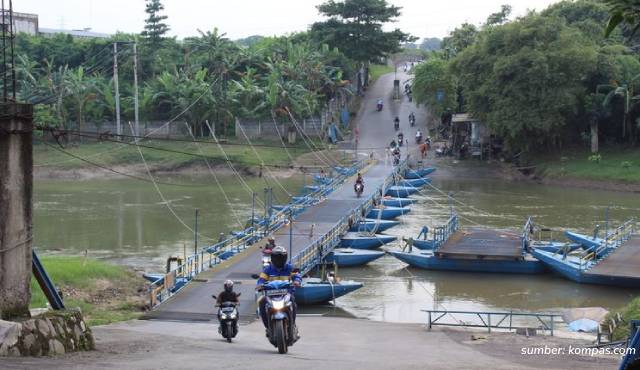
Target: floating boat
[[358, 241], [401, 191], [397, 202], [370, 225], [387, 213], [352, 257], [429, 261], [418, 172], [316, 291], [589, 243], [414, 182]]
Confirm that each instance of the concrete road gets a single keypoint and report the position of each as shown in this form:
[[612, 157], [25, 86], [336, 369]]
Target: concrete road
[[326, 343]]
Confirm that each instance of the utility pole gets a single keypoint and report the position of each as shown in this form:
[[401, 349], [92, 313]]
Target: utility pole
[[135, 88], [117, 92]]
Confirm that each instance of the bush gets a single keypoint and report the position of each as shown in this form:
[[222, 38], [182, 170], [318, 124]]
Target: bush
[[626, 165], [628, 313], [595, 158]]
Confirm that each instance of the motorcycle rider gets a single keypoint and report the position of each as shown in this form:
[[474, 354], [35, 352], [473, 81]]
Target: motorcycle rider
[[271, 243], [412, 118], [227, 295], [418, 136], [359, 180], [400, 138], [393, 144], [279, 269], [396, 122], [379, 104]]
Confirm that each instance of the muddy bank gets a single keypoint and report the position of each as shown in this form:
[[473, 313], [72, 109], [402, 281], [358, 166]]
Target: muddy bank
[[160, 170]]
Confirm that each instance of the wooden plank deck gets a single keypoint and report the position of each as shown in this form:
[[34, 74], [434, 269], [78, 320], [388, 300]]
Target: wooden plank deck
[[481, 243], [622, 262]]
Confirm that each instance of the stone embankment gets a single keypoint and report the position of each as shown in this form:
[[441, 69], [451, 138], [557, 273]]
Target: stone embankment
[[52, 333]]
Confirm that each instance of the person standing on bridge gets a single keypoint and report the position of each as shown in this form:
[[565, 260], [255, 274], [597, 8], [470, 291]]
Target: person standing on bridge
[[279, 269]]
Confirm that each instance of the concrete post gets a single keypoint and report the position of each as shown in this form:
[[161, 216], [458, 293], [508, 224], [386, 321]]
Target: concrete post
[[16, 186]]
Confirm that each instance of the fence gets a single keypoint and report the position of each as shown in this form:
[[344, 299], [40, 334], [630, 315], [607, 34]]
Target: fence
[[269, 129], [611, 241], [501, 320]]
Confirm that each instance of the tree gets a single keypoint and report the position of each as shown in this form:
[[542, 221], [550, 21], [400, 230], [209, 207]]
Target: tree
[[81, 89], [154, 29], [499, 17], [525, 78], [430, 44], [623, 11], [434, 86], [355, 28], [459, 39]]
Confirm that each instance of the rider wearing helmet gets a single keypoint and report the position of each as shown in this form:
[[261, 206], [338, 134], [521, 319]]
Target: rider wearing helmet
[[271, 243], [279, 269], [227, 295], [360, 180]]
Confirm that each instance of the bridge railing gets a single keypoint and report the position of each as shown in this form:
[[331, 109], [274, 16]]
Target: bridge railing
[[491, 320], [211, 256], [613, 240], [313, 254], [442, 233]]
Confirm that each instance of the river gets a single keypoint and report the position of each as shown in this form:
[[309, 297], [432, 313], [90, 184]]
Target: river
[[128, 222]]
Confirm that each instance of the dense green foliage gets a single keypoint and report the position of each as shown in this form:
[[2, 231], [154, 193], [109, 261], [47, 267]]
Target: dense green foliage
[[355, 28], [628, 313], [207, 77], [436, 87], [541, 80]]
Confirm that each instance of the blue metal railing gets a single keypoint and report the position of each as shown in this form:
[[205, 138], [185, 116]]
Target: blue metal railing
[[43, 279], [205, 259]]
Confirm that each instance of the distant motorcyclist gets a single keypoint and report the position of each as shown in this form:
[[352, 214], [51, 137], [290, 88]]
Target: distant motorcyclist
[[360, 180], [379, 105], [418, 137], [393, 144], [396, 122], [412, 118], [400, 138], [271, 243], [279, 269]]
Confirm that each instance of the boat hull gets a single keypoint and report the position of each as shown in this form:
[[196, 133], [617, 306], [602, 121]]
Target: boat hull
[[311, 293], [401, 191], [428, 261], [371, 225], [573, 272], [352, 257], [365, 242], [397, 202], [423, 244], [414, 182], [418, 173], [388, 213]]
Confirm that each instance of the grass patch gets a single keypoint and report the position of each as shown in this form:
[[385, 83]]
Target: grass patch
[[104, 292], [629, 312], [619, 165], [377, 70], [112, 154]]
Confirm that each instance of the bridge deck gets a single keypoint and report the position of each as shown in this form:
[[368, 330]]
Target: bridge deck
[[479, 243], [622, 262], [194, 302]]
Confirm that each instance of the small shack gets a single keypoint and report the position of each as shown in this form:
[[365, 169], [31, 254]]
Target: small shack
[[470, 136]]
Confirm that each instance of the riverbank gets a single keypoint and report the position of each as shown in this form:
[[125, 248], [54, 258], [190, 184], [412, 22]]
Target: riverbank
[[51, 163], [612, 169], [104, 292], [338, 343]]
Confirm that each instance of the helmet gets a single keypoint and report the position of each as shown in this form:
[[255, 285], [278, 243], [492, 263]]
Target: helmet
[[279, 257], [228, 286]]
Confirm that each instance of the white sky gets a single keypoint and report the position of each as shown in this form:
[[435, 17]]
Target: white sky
[[241, 18]]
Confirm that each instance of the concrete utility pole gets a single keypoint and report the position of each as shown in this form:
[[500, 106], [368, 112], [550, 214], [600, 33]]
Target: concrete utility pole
[[117, 91], [135, 88], [16, 191]]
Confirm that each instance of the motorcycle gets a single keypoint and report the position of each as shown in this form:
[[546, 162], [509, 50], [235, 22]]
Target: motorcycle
[[412, 121], [266, 257], [396, 159], [400, 139], [418, 139], [396, 125], [379, 107], [359, 188], [228, 319], [282, 333]]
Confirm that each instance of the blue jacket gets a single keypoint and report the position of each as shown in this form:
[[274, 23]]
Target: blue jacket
[[271, 273]]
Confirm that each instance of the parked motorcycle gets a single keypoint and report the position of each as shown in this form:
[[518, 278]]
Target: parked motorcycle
[[282, 332], [228, 319], [359, 188]]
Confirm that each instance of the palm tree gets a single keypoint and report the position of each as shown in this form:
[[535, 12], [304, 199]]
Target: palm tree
[[623, 11], [81, 89]]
